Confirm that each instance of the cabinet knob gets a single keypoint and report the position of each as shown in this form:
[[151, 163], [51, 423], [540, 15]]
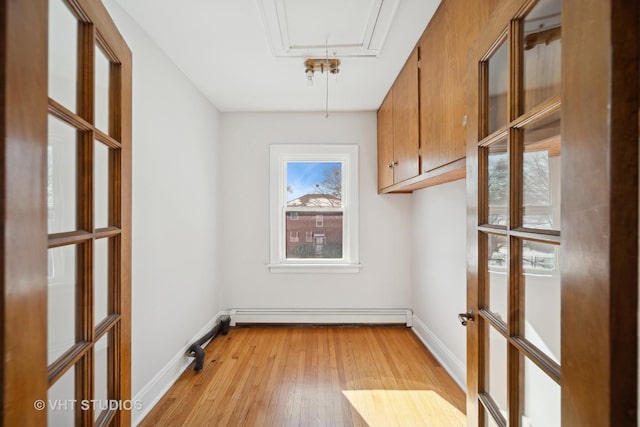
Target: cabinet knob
[[395, 163], [390, 165]]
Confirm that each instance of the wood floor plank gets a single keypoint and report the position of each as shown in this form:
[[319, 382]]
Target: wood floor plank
[[314, 376]]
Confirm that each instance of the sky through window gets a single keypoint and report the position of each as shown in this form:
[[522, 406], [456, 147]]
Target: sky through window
[[307, 177]]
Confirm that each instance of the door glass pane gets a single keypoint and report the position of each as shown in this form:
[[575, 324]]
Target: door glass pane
[[541, 398], [61, 401], [100, 376], [61, 301], [497, 361], [101, 185], [497, 88], [488, 420], [498, 183], [542, 53], [497, 267], [63, 50], [541, 174], [541, 279], [100, 279], [61, 176], [102, 90]]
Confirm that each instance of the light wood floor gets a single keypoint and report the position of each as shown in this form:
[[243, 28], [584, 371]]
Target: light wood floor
[[316, 376]]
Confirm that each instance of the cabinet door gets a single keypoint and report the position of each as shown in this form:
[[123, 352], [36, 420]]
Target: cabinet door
[[444, 79], [406, 135], [385, 142], [432, 71]]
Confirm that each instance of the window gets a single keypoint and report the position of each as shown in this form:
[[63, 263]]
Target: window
[[314, 187]]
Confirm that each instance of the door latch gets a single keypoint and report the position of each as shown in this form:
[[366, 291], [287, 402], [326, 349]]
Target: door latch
[[465, 318]]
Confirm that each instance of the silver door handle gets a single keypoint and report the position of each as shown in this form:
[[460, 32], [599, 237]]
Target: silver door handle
[[465, 318]]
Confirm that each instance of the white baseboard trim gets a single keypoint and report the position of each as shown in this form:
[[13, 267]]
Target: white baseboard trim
[[449, 361], [163, 380], [322, 316]]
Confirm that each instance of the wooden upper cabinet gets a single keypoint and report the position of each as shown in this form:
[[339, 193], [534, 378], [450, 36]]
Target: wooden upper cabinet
[[385, 142], [429, 102], [398, 128], [444, 79], [406, 127]]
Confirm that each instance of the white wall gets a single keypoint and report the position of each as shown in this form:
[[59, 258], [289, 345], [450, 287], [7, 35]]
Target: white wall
[[176, 205], [385, 226], [439, 272]]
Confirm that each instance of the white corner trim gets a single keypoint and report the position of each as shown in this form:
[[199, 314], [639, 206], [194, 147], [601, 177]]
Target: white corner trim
[[153, 391], [449, 361], [328, 316]]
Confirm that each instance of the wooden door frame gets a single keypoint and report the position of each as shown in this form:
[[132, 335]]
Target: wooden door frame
[[599, 242], [23, 184]]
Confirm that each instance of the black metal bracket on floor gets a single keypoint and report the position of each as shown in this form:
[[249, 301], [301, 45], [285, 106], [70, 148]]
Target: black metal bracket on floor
[[196, 350]]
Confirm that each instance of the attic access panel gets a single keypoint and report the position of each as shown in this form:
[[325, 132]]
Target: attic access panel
[[305, 28]]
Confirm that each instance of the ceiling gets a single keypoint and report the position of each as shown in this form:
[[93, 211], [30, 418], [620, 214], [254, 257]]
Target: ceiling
[[248, 55]]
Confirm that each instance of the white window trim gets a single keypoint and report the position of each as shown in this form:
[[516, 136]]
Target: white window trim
[[280, 154]]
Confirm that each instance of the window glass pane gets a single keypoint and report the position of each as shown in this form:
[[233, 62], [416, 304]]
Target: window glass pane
[[497, 89], [314, 234], [102, 90], [541, 398], [498, 183], [542, 52], [541, 278], [61, 301], [497, 361], [100, 279], [101, 374], [496, 282], [61, 176], [541, 174], [63, 49], [314, 184], [61, 401], [101, 185]]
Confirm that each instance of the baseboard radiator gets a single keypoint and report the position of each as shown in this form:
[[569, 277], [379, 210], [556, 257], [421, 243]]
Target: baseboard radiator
[[196, 349], [249, 316]]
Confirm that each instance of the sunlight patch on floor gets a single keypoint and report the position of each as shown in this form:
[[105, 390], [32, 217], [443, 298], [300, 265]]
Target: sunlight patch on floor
[[386, 408]]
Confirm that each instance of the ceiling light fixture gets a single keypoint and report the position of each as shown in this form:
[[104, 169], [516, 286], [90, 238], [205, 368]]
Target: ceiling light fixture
[[330, 65]]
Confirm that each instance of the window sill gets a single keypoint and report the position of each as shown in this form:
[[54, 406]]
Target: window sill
[[315, 268]]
